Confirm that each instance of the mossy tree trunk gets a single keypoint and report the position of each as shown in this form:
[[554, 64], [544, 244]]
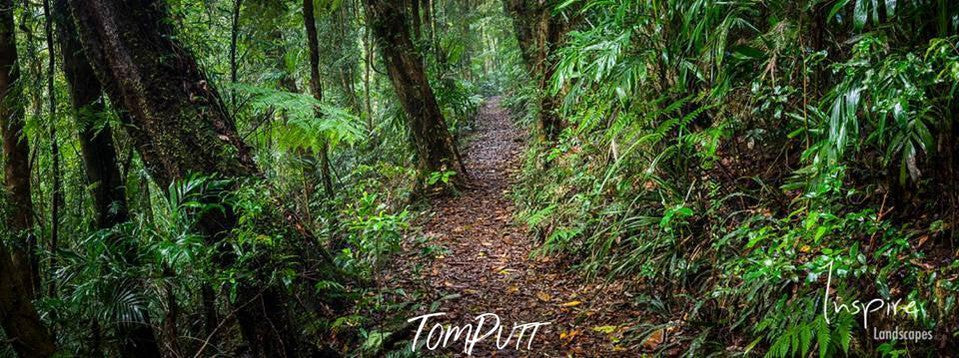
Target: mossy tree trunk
[[18, 277], [180, 126], [100, 162], [431, 138], [16, 155], [539, 33]]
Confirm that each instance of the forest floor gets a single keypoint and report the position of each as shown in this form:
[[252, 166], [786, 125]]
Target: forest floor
[[487, 267]]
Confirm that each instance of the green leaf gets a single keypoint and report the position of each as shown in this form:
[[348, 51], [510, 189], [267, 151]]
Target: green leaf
[[823, 338], [860, 14], [835, 8], [744, 52]]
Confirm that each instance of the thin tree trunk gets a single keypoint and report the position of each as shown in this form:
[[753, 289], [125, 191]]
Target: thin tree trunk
[[145, 198], [180, 126], [211, 318], [317, 88], [368, 64], [427, 21], [235, 29], [347, 69], [438, 54], [415, 15], [431, 138], [57, 195], [171, 344], [36, 101]]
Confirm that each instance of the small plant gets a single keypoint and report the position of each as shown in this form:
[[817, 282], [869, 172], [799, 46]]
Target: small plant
[[439, 177]]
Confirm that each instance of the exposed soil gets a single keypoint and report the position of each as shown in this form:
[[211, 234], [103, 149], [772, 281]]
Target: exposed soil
[[488, 267]]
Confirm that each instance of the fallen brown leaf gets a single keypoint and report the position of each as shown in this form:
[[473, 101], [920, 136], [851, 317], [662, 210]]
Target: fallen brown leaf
[[543, 296]]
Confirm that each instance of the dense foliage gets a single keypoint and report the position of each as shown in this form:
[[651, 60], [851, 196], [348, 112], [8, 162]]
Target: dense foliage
[[724, 156], [159, 267], [742, 167]]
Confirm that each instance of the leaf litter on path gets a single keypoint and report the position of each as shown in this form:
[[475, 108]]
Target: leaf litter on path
[[490, 268]]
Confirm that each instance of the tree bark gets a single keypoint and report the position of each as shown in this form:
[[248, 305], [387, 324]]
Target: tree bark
[[431, 138], [18, 317], [415, 10], [100, 163], [96, 142], [179, 124], [539, 33], [171, 342], [16, 152], [57, 192], [317, 88], [345, 41], [367, 69], [234, 33]]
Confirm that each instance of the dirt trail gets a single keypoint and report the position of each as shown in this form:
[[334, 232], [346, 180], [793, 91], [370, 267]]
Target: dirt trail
[[488, 268]]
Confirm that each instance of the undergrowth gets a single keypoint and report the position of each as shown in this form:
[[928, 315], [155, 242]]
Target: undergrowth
[[730, 160]]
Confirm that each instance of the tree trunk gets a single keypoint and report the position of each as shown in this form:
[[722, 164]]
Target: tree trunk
[[427, 21], [431, 138], [367, 69], [180, 126], [539, 33], [345, 44], [100, 163], [18, 317], [211, 317], [171, 341], [466, 59], [234, 33], [317, 89], [415, 10], [96, 142], [57, 192], [16, 153]]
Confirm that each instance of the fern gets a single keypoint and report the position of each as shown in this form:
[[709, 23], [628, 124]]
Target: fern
[[309, 123]]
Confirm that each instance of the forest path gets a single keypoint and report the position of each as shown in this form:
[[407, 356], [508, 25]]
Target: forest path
[[488, 267]]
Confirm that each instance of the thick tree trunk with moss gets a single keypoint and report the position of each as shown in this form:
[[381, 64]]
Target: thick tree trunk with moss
[[18, 277], [179, 123], [431, 138], [539, 33], [16, 155], [100, 162], [180, 126]]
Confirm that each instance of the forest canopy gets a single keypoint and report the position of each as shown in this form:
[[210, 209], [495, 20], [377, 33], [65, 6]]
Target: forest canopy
[[274, 178]]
